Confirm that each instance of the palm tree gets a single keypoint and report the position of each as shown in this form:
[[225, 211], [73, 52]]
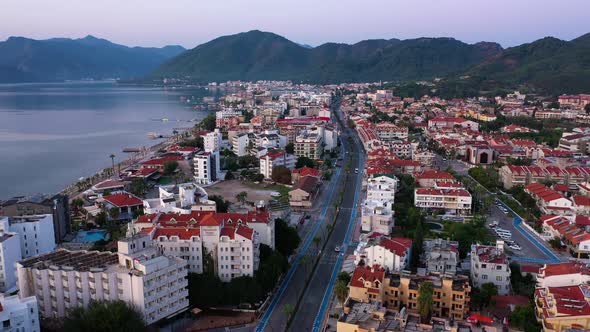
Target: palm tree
[[316, 242], [112, 156], [341, 292]]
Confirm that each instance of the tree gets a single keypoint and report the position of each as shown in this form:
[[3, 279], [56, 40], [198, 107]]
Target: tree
[[488, 290], [304, 162], [101, 218], [138, 187], [103, 316], [281, 174], [341, 292], [115, 213], [208, 123], [290, 148], [112, 156], [316, 242], [344, 277], [221, 204], [289, 310], [553, 105], [425, 301], [241, 197], [523, 318], [229, 176], [287, 239], [170, 167]]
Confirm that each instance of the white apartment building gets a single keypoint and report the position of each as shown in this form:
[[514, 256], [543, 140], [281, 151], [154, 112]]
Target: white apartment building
[[180, 198], [270, 139], [35, 231], [389, 132], [377, 217], [382, 188], [212, 141], [309, 144], [232, 239], [137, 274], [19, 315], [563, 275], [393, 254], [240, 144], [457, 201], [490, 264], [10, 254], [441, 256], [273, 159], [207, 169]]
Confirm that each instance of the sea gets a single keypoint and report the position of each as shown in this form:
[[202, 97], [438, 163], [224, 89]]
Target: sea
[[52, 134]]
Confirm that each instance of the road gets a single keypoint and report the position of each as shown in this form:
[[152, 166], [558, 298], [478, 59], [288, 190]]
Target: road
[[313, 306], [294, 284]]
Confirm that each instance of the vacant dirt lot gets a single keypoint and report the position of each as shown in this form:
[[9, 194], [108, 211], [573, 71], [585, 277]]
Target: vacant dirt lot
[[256, 192]]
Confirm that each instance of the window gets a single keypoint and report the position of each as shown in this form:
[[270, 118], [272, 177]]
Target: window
[[484, 276], [499, 278]]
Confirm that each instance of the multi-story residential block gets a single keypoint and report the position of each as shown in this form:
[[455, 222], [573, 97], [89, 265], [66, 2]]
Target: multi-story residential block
[[35, 233], [18, 314], [137, 274], [440, 256], [309, 144], [393, 254], [565, 308], [270, 139], [428, 178], [212, 141], [563, 274], [489, 264], [231, 239], [452, 122], [398, 290], [240, 144], [390, 132], [10, 254], [276, 158], [457, 201], [207, 168], [548, 200], [377, 216], [382, 188], [180, 198], [574, 101]]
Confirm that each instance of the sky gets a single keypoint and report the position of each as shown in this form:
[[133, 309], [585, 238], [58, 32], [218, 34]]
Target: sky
[[192, 22]]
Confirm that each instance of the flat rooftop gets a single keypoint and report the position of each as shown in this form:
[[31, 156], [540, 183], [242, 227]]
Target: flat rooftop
[[63, 259]]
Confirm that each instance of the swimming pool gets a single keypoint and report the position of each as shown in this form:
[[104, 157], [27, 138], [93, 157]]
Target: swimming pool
[[91, 236]]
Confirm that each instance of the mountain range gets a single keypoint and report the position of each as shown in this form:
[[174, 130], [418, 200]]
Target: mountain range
[[549, 64], [60, 59]]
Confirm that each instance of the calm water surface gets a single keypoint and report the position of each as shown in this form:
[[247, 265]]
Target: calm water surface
[[53, 134]]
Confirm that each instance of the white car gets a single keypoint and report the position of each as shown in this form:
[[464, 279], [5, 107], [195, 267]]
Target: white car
[[337, 249], [514, 247]]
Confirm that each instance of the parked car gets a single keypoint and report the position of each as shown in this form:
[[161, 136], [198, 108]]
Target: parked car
[[514, 246], [337, 249]]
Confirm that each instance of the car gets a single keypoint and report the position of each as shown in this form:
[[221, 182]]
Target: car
[[444, 159], [514, 247], [356, 171], [337, 249], [493, 224]]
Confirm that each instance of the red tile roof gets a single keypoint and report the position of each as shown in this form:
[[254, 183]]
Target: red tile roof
[[306, 171], [367, 273], [123, 200], [181, 233], [565, 268], [396, 245]]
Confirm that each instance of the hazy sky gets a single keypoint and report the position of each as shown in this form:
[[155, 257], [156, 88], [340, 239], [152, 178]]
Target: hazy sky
[[192, 22]]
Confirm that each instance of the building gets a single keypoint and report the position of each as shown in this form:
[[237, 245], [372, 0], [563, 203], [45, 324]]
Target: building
[[240, 144], [399, 290], [18, 315], [548, 200], [180, 198], [377, 216], [309, 144], [300, 173], [564, 308], [10, 254], [232, 239], [563, 274], [35, 233], [125, 203], [382, 187], [489, 264], [212, 141], [363, 316], [273, 159], [393, 254], [304, 192], [440, 256], [207, 168], [137, 274], [457, 201]]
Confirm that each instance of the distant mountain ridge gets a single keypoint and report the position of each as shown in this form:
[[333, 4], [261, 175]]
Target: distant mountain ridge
[[58, 59], [258, 55]]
